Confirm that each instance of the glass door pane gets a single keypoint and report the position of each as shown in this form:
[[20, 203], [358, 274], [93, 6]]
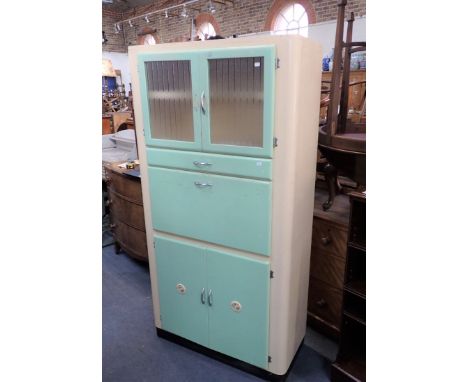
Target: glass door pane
[[236, 101], [169, 91]]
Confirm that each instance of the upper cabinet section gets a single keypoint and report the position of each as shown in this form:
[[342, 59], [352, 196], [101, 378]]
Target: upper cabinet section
[[220, 101]]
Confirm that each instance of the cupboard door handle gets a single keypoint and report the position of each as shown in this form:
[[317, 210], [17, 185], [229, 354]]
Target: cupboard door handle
[[200, 184], [210, 298], [197, 163], [202, 102], [203, 296]]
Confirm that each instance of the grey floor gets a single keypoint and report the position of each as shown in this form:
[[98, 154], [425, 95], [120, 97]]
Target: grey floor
[[133, 352]]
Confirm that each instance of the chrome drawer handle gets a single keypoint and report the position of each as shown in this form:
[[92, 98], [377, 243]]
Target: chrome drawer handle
[[202, 102], [210, 298], [197, 163], [203, 296], [200, 184]]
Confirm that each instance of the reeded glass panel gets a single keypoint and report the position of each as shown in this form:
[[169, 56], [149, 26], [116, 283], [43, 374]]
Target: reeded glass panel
[[236, 101], [169, 85]]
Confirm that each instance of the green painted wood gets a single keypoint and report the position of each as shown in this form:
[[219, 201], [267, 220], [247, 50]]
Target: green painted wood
[[233, 212], [182, 314], [194, 58], [240, 334], [211, 163], [268, 52]]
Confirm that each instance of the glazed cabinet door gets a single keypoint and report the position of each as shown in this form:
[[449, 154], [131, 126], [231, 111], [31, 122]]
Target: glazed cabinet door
[[238, 300], [181, 276], [170, 99], [237, 100]]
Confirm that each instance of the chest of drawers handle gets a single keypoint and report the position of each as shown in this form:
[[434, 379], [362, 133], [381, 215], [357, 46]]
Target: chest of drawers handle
[[321, 303], [326, 240]]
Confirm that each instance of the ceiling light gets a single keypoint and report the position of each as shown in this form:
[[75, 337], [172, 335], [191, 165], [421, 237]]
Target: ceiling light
[[165, 14], [115, 29], [184, 12], [118, 27], [130, 23], [147, 19]]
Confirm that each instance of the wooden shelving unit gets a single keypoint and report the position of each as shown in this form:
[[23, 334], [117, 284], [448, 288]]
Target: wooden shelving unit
[[351, 361]]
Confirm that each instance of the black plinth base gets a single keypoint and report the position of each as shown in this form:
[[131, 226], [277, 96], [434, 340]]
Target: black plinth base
[[254, 370]]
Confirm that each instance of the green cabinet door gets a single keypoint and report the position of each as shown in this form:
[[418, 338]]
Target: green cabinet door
[[170, 99], [238, 289], [181, 273], [233, 212], [238, 92]]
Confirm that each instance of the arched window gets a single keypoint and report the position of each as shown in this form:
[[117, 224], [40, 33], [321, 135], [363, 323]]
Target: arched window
[[206, 30], [292, 20], [290, 17], [206, 26]]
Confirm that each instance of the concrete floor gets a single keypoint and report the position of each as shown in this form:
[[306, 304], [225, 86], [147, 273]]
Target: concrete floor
[[133, 352]]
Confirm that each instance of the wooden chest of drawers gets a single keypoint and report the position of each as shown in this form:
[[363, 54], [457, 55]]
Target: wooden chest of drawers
[[327, 264], [126, 209]]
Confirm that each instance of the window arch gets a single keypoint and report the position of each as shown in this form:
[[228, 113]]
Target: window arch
[[206, 26], [290, 17]]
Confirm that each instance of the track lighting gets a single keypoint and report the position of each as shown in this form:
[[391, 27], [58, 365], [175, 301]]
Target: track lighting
[[119, 27], [115, 29], [130, 23], [165, 14], [184, 12], [147, 19]]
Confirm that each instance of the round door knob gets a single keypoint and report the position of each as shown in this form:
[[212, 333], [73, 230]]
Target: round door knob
[[236, 306], [181, 288]]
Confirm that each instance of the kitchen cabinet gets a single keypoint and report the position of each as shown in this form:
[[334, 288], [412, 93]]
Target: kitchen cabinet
[[227, 141]]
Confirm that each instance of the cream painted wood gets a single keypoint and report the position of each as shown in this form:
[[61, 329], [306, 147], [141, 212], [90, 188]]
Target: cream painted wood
[[297, 99]]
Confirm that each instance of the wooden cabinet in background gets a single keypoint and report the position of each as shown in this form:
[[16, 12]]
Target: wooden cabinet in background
[[126, 211], [327, 264]]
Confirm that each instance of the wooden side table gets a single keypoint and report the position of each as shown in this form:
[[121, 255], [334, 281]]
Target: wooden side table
[[126, 211]]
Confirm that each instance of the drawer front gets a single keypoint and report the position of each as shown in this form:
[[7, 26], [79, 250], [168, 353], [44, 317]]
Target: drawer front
[[127, 212], [328, 237], [211, 163], [233, 212], [325, 301], [131, 239], [125, 186], [327, 268]]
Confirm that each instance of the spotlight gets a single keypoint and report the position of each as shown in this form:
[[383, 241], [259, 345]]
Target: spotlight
[[147, 19], [130, 23], [165, 14], [184, 12], [116, 30], [119, 27], [211, 8]]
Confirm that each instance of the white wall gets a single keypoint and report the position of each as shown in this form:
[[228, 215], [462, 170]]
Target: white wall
[[324, 33], [120, 62]]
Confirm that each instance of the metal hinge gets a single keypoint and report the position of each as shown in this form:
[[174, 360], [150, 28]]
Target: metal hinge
[[269, 359], [271, 274], [277, 65], [275, 141]]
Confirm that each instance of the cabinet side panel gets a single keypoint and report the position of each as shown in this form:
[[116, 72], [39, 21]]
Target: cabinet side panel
[[298, 91]]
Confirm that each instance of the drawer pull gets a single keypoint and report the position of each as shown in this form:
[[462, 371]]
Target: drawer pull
[[200, 184], [326, 240], [203, 296], [321, 303], [210, 298], [200, 164]]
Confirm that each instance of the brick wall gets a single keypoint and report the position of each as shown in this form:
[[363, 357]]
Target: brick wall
[[244, 16]]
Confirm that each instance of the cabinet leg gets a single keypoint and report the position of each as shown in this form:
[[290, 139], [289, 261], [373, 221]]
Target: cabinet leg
[[331, 177]]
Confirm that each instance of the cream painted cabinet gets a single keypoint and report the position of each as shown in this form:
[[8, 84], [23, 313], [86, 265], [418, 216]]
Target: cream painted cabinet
[[227, 137]]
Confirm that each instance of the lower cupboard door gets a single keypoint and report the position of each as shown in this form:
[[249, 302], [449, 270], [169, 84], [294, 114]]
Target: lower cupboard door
[[238, 298], [181, 282]]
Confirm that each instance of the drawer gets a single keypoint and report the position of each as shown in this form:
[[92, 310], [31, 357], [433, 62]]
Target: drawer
[[126, 186], [127, 212], [211, 163], [328, 237], [327, 268], [233, 212], [325, 301], [132, 240]]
